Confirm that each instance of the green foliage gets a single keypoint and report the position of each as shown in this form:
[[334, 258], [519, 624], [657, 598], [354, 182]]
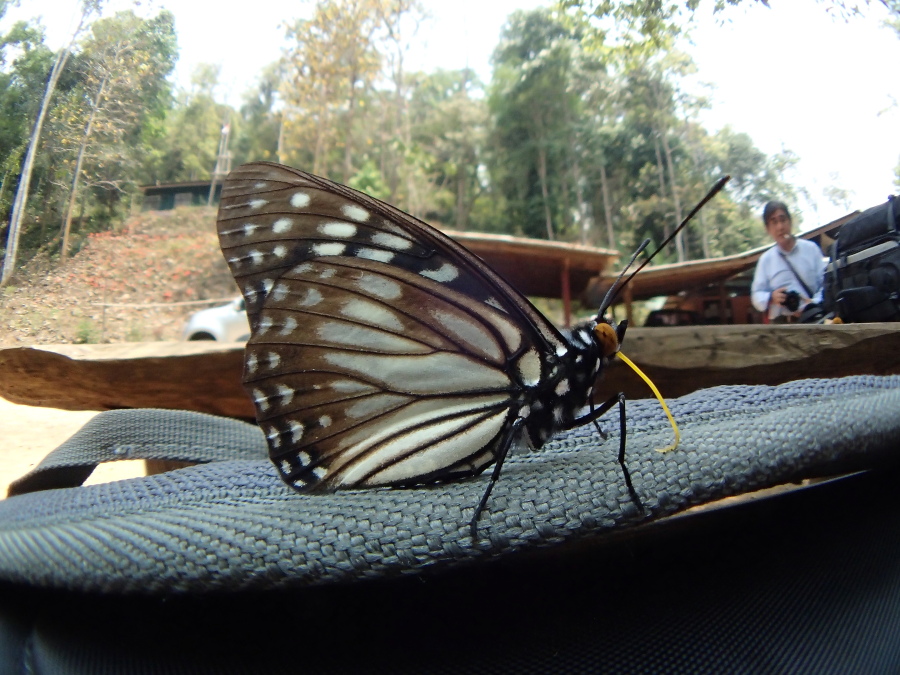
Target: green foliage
[[583, 134], [87, 332], [369, 180]]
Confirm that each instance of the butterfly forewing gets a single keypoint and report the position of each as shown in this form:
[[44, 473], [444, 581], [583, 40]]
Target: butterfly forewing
[[272, 216], [382, 353]]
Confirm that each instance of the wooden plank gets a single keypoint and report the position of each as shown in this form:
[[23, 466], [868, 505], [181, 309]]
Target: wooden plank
[[201, 376], [687, 358], [206, 376]]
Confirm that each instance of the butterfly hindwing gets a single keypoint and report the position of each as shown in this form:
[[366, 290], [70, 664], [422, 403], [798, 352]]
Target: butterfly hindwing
[[382, 352]]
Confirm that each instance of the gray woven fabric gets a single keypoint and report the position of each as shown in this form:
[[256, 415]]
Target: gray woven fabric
[[143, 434], [232, 525]]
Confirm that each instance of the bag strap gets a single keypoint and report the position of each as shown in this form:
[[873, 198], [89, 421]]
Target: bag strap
[[809, 293], [177, 435]]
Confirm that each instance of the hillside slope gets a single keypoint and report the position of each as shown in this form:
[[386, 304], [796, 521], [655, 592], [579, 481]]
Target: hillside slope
[[157, 257]]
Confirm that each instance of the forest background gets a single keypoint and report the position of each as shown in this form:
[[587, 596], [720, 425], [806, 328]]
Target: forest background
[[584, 132]]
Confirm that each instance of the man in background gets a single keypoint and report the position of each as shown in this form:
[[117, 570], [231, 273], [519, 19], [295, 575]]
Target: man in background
[[789, 275]]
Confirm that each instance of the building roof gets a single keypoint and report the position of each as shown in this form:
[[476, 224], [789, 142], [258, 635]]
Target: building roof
[[537, 267]]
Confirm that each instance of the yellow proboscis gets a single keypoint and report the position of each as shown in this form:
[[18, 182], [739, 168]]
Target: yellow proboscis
[[659, 397]]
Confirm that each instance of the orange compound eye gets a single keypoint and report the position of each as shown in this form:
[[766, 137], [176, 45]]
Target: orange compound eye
[[607, 338]]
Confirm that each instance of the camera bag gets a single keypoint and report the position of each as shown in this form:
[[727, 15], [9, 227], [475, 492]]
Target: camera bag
[[862, 281], [221, 568]]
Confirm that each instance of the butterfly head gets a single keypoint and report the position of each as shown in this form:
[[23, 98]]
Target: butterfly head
[[609, 336]]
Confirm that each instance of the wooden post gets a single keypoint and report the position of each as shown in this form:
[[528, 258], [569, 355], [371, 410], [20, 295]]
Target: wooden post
[[566, 294], [723, 304]]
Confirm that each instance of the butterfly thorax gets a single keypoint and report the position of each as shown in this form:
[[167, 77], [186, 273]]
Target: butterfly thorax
[[568, 385]]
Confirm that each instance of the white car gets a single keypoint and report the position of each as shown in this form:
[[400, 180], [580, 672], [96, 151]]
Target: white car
[[225, 323]]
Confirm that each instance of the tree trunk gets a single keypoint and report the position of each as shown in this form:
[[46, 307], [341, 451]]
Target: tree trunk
[[679, 238], [660, 171], [704, 237], [21, 199], [461, 210], [607, 208], [348, 133], [88, 129], [545, 193]]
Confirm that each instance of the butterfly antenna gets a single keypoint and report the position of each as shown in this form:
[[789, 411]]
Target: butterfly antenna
[[609, 299]]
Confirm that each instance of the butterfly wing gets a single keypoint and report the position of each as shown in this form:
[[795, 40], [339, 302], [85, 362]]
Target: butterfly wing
[[382, 352]]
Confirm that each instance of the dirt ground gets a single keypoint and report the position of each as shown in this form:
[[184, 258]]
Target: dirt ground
[[28, 434]]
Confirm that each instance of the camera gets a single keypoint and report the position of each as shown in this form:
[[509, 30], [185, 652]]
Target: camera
[[791, 301]]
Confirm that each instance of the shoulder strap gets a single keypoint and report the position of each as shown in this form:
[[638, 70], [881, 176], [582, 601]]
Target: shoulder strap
[[809, 293], [143, 433]]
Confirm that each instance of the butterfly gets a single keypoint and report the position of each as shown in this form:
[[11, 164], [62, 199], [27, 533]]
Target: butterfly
[[383, 352]]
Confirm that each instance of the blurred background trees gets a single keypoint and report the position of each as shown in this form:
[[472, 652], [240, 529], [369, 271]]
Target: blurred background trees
[[584, 133]]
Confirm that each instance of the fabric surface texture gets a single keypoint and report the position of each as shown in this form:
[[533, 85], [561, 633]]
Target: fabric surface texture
[[230, 524]]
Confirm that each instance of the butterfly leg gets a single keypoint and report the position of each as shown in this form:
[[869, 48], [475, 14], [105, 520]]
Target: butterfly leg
[[593, 416], [503, 450]]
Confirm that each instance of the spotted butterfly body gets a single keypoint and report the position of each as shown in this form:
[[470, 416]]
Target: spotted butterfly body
[[382, 352]]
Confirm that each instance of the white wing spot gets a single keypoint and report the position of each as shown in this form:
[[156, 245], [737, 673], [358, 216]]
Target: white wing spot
[[372, 313], [470, 332], [375, 254], [267, 285], [304, 458], [325, 421], [296, 431], [257, 203], [558, 414], [273, 359], [524, 411], [493, 302], [444, 273], [289, 326], [249, 228], [265, 323], [561, 349], [329, 248], [311, 298], [355, 212], [349, 386], [282, 225], [299, 483], [259, 185], [280, 292], [319, 472], [327, 273], [274, 437], [391, 241], [251, 363], [529, 368], [280, 251], [256, 257], [302, 268], [285, 466], [299, 200], [340, 230], [260, 399], [285, 393], [562, 388], [381, 287]]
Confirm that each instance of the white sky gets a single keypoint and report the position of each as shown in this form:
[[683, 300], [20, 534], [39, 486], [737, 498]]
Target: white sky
[[790, 76]]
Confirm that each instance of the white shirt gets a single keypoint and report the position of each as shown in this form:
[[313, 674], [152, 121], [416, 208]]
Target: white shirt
[[772, 272]]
